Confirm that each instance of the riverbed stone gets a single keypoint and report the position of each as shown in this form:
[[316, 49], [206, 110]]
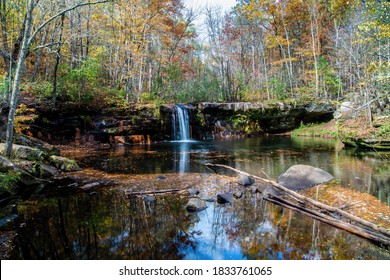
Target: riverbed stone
[[254, 189], [148, 198], [271, 191], [196, 205], [8, 221], [208, 199], [223, 198], [238, 194], [245, 180], [300, 176], [193, 192]]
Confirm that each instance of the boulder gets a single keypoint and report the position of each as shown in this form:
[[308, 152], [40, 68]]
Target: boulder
[[24, 152], [5, 164], [245, 180], [254, 189], [300, 176], [193, 192], [223, 198], [238, 194], [37, 169], [64, 164], [196, 205], [46, 171], [24, 177]]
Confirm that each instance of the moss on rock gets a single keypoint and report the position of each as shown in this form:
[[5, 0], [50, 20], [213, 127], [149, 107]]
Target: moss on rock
[[64, 164]]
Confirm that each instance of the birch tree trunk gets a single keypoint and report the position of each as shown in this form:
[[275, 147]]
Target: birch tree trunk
[[314, 48], [58, 58], [18, 77]]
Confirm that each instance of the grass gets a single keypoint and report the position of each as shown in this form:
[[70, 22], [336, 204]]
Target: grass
[[326, 130]]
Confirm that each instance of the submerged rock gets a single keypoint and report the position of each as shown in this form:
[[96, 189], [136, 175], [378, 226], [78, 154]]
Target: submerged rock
[[150, 198], [300, 176], [196, 205], [8, 221]]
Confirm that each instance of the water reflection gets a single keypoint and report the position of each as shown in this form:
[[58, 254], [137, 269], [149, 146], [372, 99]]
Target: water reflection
[[181, 156], [110, 226]]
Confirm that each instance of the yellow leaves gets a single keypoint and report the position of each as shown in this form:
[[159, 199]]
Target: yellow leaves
[[284, 60]]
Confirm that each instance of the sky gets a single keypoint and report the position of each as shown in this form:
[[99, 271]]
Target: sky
[[226, 5]]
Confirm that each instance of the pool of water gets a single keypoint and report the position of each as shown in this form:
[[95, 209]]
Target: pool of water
[[109, 225]]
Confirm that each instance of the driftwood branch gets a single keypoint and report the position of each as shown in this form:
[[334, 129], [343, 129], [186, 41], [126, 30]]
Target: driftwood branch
[[317, 210], [157, 192]]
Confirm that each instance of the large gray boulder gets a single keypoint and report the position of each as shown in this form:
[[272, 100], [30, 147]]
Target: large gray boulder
[[300, 176]]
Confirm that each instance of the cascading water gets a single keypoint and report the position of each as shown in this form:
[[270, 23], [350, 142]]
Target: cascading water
[[180, 123]]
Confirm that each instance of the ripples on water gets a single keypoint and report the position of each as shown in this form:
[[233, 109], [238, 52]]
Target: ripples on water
[[110, 226]]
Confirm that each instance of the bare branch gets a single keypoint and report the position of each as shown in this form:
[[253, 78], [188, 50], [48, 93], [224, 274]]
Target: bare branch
[[60, 14]]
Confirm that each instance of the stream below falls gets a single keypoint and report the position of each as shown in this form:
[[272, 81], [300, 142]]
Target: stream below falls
[[106, 224]]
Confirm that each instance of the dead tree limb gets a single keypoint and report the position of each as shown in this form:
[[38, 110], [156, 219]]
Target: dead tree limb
[[156, 192]]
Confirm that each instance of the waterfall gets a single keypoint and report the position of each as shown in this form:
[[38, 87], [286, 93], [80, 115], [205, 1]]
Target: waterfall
[[180, 123]]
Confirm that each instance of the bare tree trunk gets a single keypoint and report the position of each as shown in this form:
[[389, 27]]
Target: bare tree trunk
[[58, 58], [314, 48], [18, 77], [39, 57], [289, 65]]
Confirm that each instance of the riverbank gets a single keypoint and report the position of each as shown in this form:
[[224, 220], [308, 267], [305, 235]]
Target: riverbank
[[358, 132], [326, 130]]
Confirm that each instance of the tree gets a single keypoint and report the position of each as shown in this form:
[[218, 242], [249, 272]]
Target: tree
[[28, 37]]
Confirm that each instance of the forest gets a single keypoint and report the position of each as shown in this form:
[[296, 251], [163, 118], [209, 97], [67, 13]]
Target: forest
[[146, 50], [112, 74]]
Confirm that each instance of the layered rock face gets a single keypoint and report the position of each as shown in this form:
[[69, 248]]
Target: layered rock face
[[142, 124]]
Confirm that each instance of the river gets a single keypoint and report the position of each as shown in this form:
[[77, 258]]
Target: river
[[106, 224]]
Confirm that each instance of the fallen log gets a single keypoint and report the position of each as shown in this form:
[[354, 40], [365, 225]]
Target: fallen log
[[317, 210], [156, 192]]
